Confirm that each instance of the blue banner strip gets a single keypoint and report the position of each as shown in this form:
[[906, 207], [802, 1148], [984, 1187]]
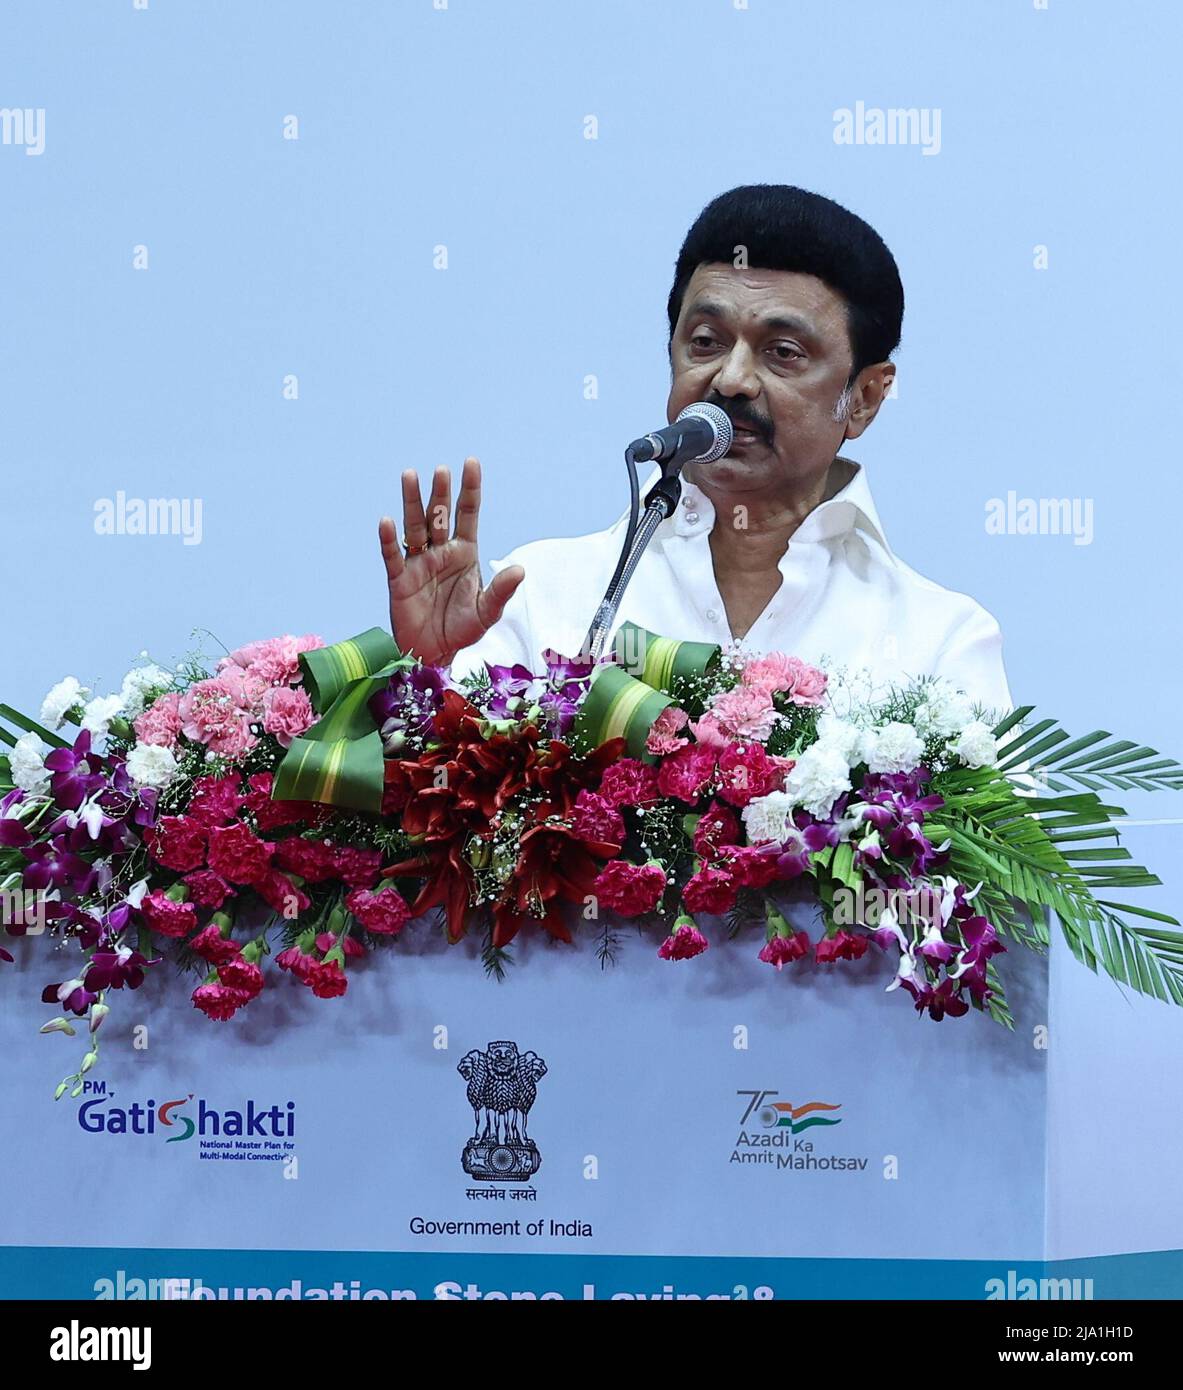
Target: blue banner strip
[[99, 1272]]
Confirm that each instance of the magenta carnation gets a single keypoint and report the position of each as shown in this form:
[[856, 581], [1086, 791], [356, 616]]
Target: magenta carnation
[[237, 853], [177, 842], [167, 917], [710, 890], [597, 820], [687, 773], [629, 889], [630, 782], [686, 941], [781, 949], [384, 912]]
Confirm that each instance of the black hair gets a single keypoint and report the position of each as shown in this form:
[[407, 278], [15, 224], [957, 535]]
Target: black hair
[[783, 227]]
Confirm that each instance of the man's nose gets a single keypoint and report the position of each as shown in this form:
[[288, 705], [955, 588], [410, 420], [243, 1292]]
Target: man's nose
[[737, 374]]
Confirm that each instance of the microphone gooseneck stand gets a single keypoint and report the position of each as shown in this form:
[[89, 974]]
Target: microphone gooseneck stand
[[660, 503]]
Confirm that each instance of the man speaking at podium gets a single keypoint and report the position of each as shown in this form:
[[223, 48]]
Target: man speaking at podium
[[784, 312]]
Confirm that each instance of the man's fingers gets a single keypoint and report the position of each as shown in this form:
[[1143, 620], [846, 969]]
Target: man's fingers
[[414, 521], [502, 587], [468, 504], [392, 554], [439, 509]]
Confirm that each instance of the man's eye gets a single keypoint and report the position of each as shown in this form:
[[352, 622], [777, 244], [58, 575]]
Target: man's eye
[[702, 341], [786, 352]]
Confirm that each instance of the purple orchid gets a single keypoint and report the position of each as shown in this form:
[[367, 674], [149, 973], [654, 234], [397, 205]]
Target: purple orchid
[[514, 690], [114, 969], [981, 942], [407, 704], [53, 864], [76, 772], [938, 1000], [71, 994], [14, 834]]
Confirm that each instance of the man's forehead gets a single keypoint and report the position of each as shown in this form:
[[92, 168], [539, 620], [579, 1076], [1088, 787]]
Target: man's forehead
[[749, 291]]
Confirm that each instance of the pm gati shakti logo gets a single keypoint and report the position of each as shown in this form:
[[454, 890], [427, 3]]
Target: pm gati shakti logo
[[252, 1132], [779, 1134]]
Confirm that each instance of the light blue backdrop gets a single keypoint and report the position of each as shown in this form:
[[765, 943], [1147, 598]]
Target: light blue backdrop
[[465, 127]]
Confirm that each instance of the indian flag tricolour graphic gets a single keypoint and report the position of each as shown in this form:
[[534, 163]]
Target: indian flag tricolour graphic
[[783, 1114]]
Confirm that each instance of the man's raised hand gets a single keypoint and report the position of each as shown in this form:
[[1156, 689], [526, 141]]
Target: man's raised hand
[[437, 603]]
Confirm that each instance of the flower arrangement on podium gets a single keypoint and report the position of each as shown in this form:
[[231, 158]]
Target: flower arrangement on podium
[[289, 812]]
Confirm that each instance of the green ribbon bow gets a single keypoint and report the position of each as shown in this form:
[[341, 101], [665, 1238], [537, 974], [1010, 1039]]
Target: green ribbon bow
[[338, 760], [626, 698]]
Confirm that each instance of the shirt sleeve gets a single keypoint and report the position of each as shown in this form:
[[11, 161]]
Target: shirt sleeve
[[972, 659]]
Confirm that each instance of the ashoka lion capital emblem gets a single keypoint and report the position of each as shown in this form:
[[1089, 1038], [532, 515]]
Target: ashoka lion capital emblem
[[502, 1088]]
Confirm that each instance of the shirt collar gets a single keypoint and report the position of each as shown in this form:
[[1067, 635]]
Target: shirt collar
[[852, 508]]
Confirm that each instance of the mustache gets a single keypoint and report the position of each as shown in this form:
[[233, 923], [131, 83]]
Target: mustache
[[743, 417]]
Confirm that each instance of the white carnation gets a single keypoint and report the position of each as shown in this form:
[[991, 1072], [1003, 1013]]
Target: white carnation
[[27, 763], [846, 739], [976, 746], [819, 778], [895, 747], [99, 712], [151, 765], [767, 817], [944, 711], [138, 681], [65, 696]]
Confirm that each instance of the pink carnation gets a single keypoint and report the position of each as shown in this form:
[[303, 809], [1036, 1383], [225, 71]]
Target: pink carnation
[[218, 713], [686, 941], [287, 714], [275, 660], [687, 773], [663, 736], [629, 889], [709, 732], [160, 723], [804, 684], [746, 712]]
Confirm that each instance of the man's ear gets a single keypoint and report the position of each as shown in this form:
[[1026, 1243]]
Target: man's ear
[[870, 391]]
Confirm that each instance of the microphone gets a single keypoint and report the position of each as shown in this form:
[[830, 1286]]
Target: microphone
[[700, 434]]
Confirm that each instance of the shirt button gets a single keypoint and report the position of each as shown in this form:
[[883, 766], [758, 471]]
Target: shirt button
[[713, 615], [692, 517]]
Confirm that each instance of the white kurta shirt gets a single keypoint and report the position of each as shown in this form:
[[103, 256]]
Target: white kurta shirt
[[845, 598]]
